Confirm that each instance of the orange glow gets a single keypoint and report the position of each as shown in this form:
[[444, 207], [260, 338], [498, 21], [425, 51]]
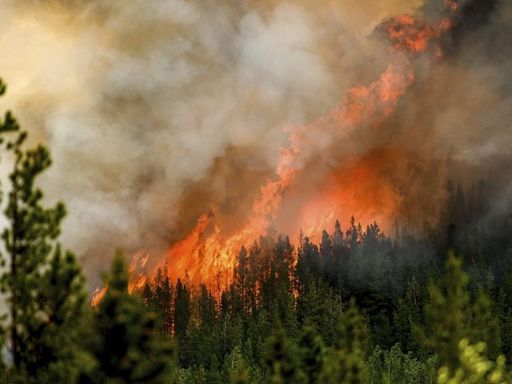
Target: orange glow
[[359, 189], [208, 254], [452, 5], [138, 278], [138, 272], [97, 296], [414, 35]]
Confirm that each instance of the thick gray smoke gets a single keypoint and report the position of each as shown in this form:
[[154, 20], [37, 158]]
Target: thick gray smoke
[[156, 110], [459, 113]]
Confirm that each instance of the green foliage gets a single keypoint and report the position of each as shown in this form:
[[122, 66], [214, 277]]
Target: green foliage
[[127, 347], [474, 367], [282, 359], [181, 310], [441, 333], [312, 354], [346, 363], [396, 367], [45, 287], [408, 315], [485, 325], [331, 345], [448, 330], [238, 371]]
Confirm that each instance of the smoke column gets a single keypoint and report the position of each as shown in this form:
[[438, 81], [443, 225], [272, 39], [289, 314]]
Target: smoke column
[[157, 113]]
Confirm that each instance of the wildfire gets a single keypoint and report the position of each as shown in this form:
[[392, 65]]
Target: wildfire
[[138, 277], [208, 254], [414, 35], [360, 189]]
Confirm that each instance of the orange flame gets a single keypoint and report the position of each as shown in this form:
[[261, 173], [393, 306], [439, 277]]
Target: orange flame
[[138, 272], [97, 296], [208, 255], [138, 278]]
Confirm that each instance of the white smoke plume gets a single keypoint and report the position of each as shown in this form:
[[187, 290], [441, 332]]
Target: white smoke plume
[[155, 110]]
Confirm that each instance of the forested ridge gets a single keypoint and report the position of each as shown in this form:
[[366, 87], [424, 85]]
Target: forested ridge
[[358, 307]]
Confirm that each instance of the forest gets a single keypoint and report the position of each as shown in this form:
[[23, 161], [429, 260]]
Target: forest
[[358, 307]]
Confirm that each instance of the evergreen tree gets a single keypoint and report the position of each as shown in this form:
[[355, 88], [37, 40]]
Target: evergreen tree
[[327, 257], [181, 310], [474, 367], [126, 345], [408, 315], [207, 311], [163, 296], [312, 354], [346, 363], [446, 314], [239, 374], [282, 359], [45, 286], [242, 279], [485, 325]]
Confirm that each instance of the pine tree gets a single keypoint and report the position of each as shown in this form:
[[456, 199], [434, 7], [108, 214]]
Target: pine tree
[[312, 354], [126, 344], [402, 368], [485, 325], [408, 314], [207, 312], [238, 372], [474, 367], [241, 278], [163, 296], [327, 257], [241, 376], [346, 363], [447, 314], [181, 310], [282, 360], [45, 287]]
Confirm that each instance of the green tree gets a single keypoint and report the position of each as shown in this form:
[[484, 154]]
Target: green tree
[[127, 347], [396, 367], [181, 310], [163, 295], [446, 314], [346, 363], [485, 325], [312, 354], [407, 315], [282, 359], [45, 287], [474, 367], [238, 372]]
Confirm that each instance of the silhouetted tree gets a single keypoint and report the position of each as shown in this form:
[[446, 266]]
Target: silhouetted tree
[[44, 285], [126, 345]]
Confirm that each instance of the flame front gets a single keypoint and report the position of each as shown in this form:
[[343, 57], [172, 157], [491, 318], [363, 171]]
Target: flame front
[[208, 254]]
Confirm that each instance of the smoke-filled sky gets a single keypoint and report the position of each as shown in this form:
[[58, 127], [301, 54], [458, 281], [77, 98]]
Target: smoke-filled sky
[[157, 111]]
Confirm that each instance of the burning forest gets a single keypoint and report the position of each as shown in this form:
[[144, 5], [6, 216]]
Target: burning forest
[[303, 192]]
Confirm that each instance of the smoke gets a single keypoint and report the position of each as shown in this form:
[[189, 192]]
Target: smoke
[[458, 115], [156, 112]]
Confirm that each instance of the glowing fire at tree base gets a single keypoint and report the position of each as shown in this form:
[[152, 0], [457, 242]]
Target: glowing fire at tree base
[[207, 254]]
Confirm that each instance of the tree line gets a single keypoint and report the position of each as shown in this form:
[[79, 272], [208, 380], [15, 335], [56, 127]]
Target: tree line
[[348, 310], [358, 307]]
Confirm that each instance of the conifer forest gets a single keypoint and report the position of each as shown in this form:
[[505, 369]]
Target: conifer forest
[[246, 191]]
